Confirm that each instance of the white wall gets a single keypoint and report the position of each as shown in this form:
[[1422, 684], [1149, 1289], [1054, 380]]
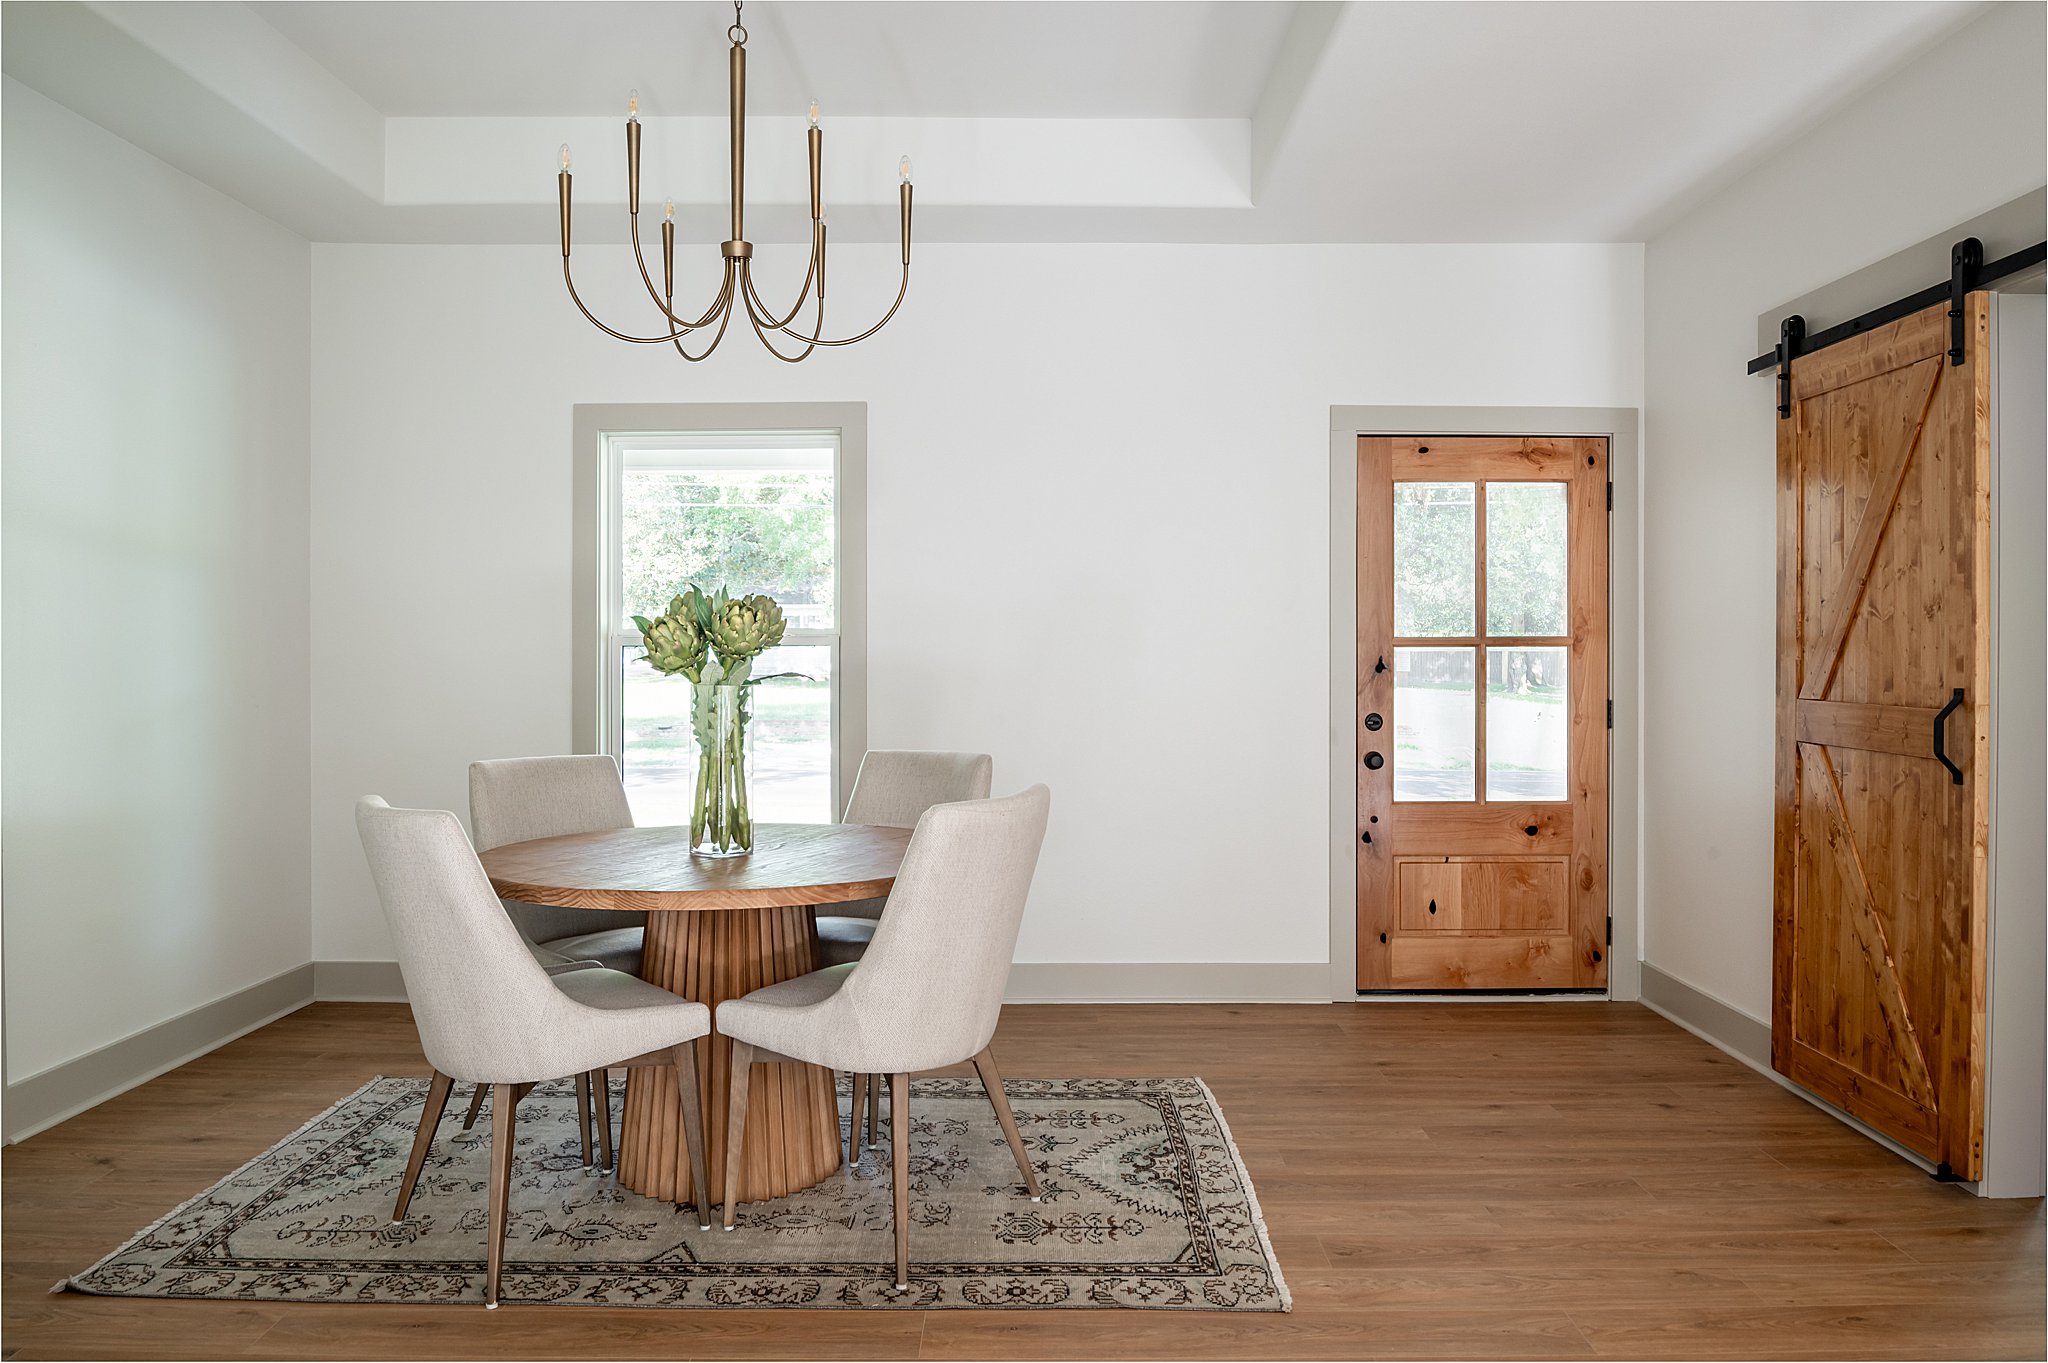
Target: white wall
[[155, 679], [1096, 517], [1956, 133]]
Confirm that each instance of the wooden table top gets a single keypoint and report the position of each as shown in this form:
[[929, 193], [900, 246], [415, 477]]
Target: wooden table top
[[642, 869]]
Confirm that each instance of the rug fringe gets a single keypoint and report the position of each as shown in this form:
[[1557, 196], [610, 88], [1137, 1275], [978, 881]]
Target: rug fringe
[[1251, 1195]]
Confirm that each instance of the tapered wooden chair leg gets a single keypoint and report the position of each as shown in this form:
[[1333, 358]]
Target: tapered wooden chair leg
[[736, 1124], [899, 1171], [856, 1114], [423, 1140], [583, 1116], [476, 1105], [601, 1085], [874, 1110], [504, 1131], [985, 1066], [693, 1128]]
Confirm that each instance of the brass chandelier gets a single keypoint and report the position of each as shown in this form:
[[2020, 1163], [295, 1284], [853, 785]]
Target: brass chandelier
[[738, 285]]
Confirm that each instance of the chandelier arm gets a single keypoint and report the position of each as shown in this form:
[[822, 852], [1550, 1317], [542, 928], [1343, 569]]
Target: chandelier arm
[[620, 335], [802, 297], [648, 280], [810, 342], [901, 290], [724, 307]]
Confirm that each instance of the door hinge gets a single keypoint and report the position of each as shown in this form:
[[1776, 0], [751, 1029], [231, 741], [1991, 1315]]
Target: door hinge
[[1610, 495], [1610, 714], [1610, 929]]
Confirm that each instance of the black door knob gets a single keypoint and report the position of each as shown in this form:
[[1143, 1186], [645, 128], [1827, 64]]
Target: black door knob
[[1374, 761]]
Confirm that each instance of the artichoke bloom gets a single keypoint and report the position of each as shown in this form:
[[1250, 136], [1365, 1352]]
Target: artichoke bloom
[[744, 627], [674, 644]]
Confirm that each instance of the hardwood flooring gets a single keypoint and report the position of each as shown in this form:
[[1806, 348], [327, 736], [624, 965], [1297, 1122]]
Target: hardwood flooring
[[1487, 1180]]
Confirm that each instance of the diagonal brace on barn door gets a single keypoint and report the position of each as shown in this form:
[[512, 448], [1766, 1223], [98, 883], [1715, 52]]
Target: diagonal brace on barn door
[[1870, 934], [1877, 516]]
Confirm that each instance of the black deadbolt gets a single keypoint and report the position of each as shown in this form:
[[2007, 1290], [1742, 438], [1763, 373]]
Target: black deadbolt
[[1374, 761], [1373, 721]]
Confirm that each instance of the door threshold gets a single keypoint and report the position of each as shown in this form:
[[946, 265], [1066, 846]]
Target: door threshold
[[1483, 996]]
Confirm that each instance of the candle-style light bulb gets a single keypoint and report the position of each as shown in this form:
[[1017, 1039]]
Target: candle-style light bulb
[[668, 211], [633, 106], [814, 113], [903, 169], [565, 158]]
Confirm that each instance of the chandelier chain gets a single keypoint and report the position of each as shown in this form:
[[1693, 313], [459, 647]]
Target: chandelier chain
[[738, 32]]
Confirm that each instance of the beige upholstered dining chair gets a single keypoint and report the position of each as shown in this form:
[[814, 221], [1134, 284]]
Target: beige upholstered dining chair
[[517, 799], [927, 993], [488, 1013], [892, 789]]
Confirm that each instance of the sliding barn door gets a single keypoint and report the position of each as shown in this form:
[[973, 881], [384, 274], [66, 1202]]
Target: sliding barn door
[[1882, 796]]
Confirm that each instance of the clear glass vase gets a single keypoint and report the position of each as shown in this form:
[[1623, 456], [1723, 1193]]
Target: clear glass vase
[[721, 818]]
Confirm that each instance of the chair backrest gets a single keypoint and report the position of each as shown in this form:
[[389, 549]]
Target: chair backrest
[[929, 989], [477, 994], [517, 799], [895, 786]]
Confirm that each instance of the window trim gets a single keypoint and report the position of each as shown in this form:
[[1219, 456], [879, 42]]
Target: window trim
[[603, 433]]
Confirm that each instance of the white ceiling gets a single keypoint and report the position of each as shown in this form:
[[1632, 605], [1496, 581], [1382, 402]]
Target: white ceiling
[[1039, 121], [994, 59]]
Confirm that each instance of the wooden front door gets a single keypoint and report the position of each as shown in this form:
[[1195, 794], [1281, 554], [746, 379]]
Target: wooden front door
[[1883, 732], [1482, 713]]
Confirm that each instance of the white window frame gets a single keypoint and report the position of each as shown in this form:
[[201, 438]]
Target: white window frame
[[609, 439]]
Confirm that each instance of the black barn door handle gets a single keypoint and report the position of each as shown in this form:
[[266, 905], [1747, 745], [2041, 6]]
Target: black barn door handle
[[1955, 773]]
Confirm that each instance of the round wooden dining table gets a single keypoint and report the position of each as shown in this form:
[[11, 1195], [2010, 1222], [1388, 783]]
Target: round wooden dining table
[[717, 928]]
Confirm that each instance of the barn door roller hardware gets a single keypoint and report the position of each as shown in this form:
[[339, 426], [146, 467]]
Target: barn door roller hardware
[[1968, 271]]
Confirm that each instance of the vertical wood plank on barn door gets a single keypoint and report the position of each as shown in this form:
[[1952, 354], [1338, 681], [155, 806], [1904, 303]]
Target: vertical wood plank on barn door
[[1880, 858]]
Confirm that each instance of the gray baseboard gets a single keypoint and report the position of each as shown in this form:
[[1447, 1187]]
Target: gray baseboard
[[43, 1100], [1749, 1041], [1169, 982], [1709, 1019], [1030, 982], [358, 982]]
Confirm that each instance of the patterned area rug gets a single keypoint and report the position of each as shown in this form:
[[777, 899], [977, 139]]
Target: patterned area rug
[[1147, 1205]]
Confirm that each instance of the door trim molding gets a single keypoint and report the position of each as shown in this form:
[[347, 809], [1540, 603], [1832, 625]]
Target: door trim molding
[[1621, 426]]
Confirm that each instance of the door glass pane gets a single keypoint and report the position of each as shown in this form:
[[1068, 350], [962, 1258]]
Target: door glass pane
[[766, 530], [792, 736], [1526, 723], [1435, 560], [1525, 559], [1433, 724]]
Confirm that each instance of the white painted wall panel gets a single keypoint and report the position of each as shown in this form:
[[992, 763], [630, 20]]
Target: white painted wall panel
[[155, 677]]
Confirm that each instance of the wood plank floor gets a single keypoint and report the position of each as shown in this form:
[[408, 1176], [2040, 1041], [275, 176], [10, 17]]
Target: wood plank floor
[[1497, 1180]]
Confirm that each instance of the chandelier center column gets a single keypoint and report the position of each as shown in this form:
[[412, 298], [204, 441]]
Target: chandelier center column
[[736, 76]]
